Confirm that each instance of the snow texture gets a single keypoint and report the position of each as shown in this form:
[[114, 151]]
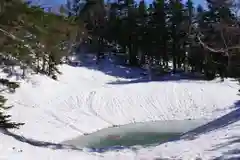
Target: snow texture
[[86, 99]]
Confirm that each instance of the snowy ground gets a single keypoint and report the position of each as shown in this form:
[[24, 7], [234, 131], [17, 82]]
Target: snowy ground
[[85, 100]]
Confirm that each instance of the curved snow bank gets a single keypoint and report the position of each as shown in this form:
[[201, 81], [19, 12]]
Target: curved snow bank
[[161, 101], [81, 101]]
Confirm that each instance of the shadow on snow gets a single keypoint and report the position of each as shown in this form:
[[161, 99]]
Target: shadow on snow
[[109, 65], [115, 66], [221, 122], [38, 143]]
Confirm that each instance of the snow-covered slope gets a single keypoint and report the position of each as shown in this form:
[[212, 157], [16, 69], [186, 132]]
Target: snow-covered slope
[[219, 139], [84, 100]]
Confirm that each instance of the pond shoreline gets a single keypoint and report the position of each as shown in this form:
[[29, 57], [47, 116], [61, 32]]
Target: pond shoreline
[[134, 134]]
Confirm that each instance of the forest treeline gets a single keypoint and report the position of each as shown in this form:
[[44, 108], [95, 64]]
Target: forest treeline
[[194, 38]]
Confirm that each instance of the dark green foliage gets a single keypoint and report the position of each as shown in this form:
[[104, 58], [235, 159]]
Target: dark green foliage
[[170, 31], [11, 86], [31, 39], [5, 119]]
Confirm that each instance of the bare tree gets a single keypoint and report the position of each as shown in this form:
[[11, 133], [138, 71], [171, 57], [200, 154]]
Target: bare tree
[[226, 30]]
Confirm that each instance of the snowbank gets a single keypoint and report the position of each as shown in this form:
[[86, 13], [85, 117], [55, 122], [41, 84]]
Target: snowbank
[[85, 100]]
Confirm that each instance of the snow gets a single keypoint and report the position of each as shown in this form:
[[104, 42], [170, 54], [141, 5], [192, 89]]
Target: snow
[[222, 142], [85, 100]]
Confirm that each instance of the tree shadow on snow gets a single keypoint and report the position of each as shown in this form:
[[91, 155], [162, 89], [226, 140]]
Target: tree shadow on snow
[[221, 122], [233, 154], [109, 65], [115, 66], [167, 77], [37, 143]]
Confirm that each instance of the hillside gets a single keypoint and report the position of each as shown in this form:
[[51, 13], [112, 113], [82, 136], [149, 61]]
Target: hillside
[[85, 100]]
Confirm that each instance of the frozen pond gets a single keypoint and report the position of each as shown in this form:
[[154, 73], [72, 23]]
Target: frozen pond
[[143, 134]]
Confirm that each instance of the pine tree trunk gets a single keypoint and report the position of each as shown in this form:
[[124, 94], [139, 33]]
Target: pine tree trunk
[[174, 57], [44, 61], [38, 63], [24, 72], [229, 64], [165, 56], [132, 55]]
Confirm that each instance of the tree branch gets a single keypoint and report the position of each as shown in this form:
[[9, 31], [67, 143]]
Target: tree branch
[[17, 39], [217, 50]]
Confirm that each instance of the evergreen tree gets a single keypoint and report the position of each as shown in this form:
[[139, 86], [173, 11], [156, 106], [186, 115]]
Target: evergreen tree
[[176, 18], [30, 38], [172, 31], [5, 119], [160, 20]]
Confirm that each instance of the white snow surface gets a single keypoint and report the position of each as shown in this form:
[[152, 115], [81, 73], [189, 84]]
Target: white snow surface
[[83, 100]]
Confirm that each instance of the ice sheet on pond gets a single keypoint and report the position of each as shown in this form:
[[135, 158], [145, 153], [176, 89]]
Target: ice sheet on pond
[[136, 134]]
